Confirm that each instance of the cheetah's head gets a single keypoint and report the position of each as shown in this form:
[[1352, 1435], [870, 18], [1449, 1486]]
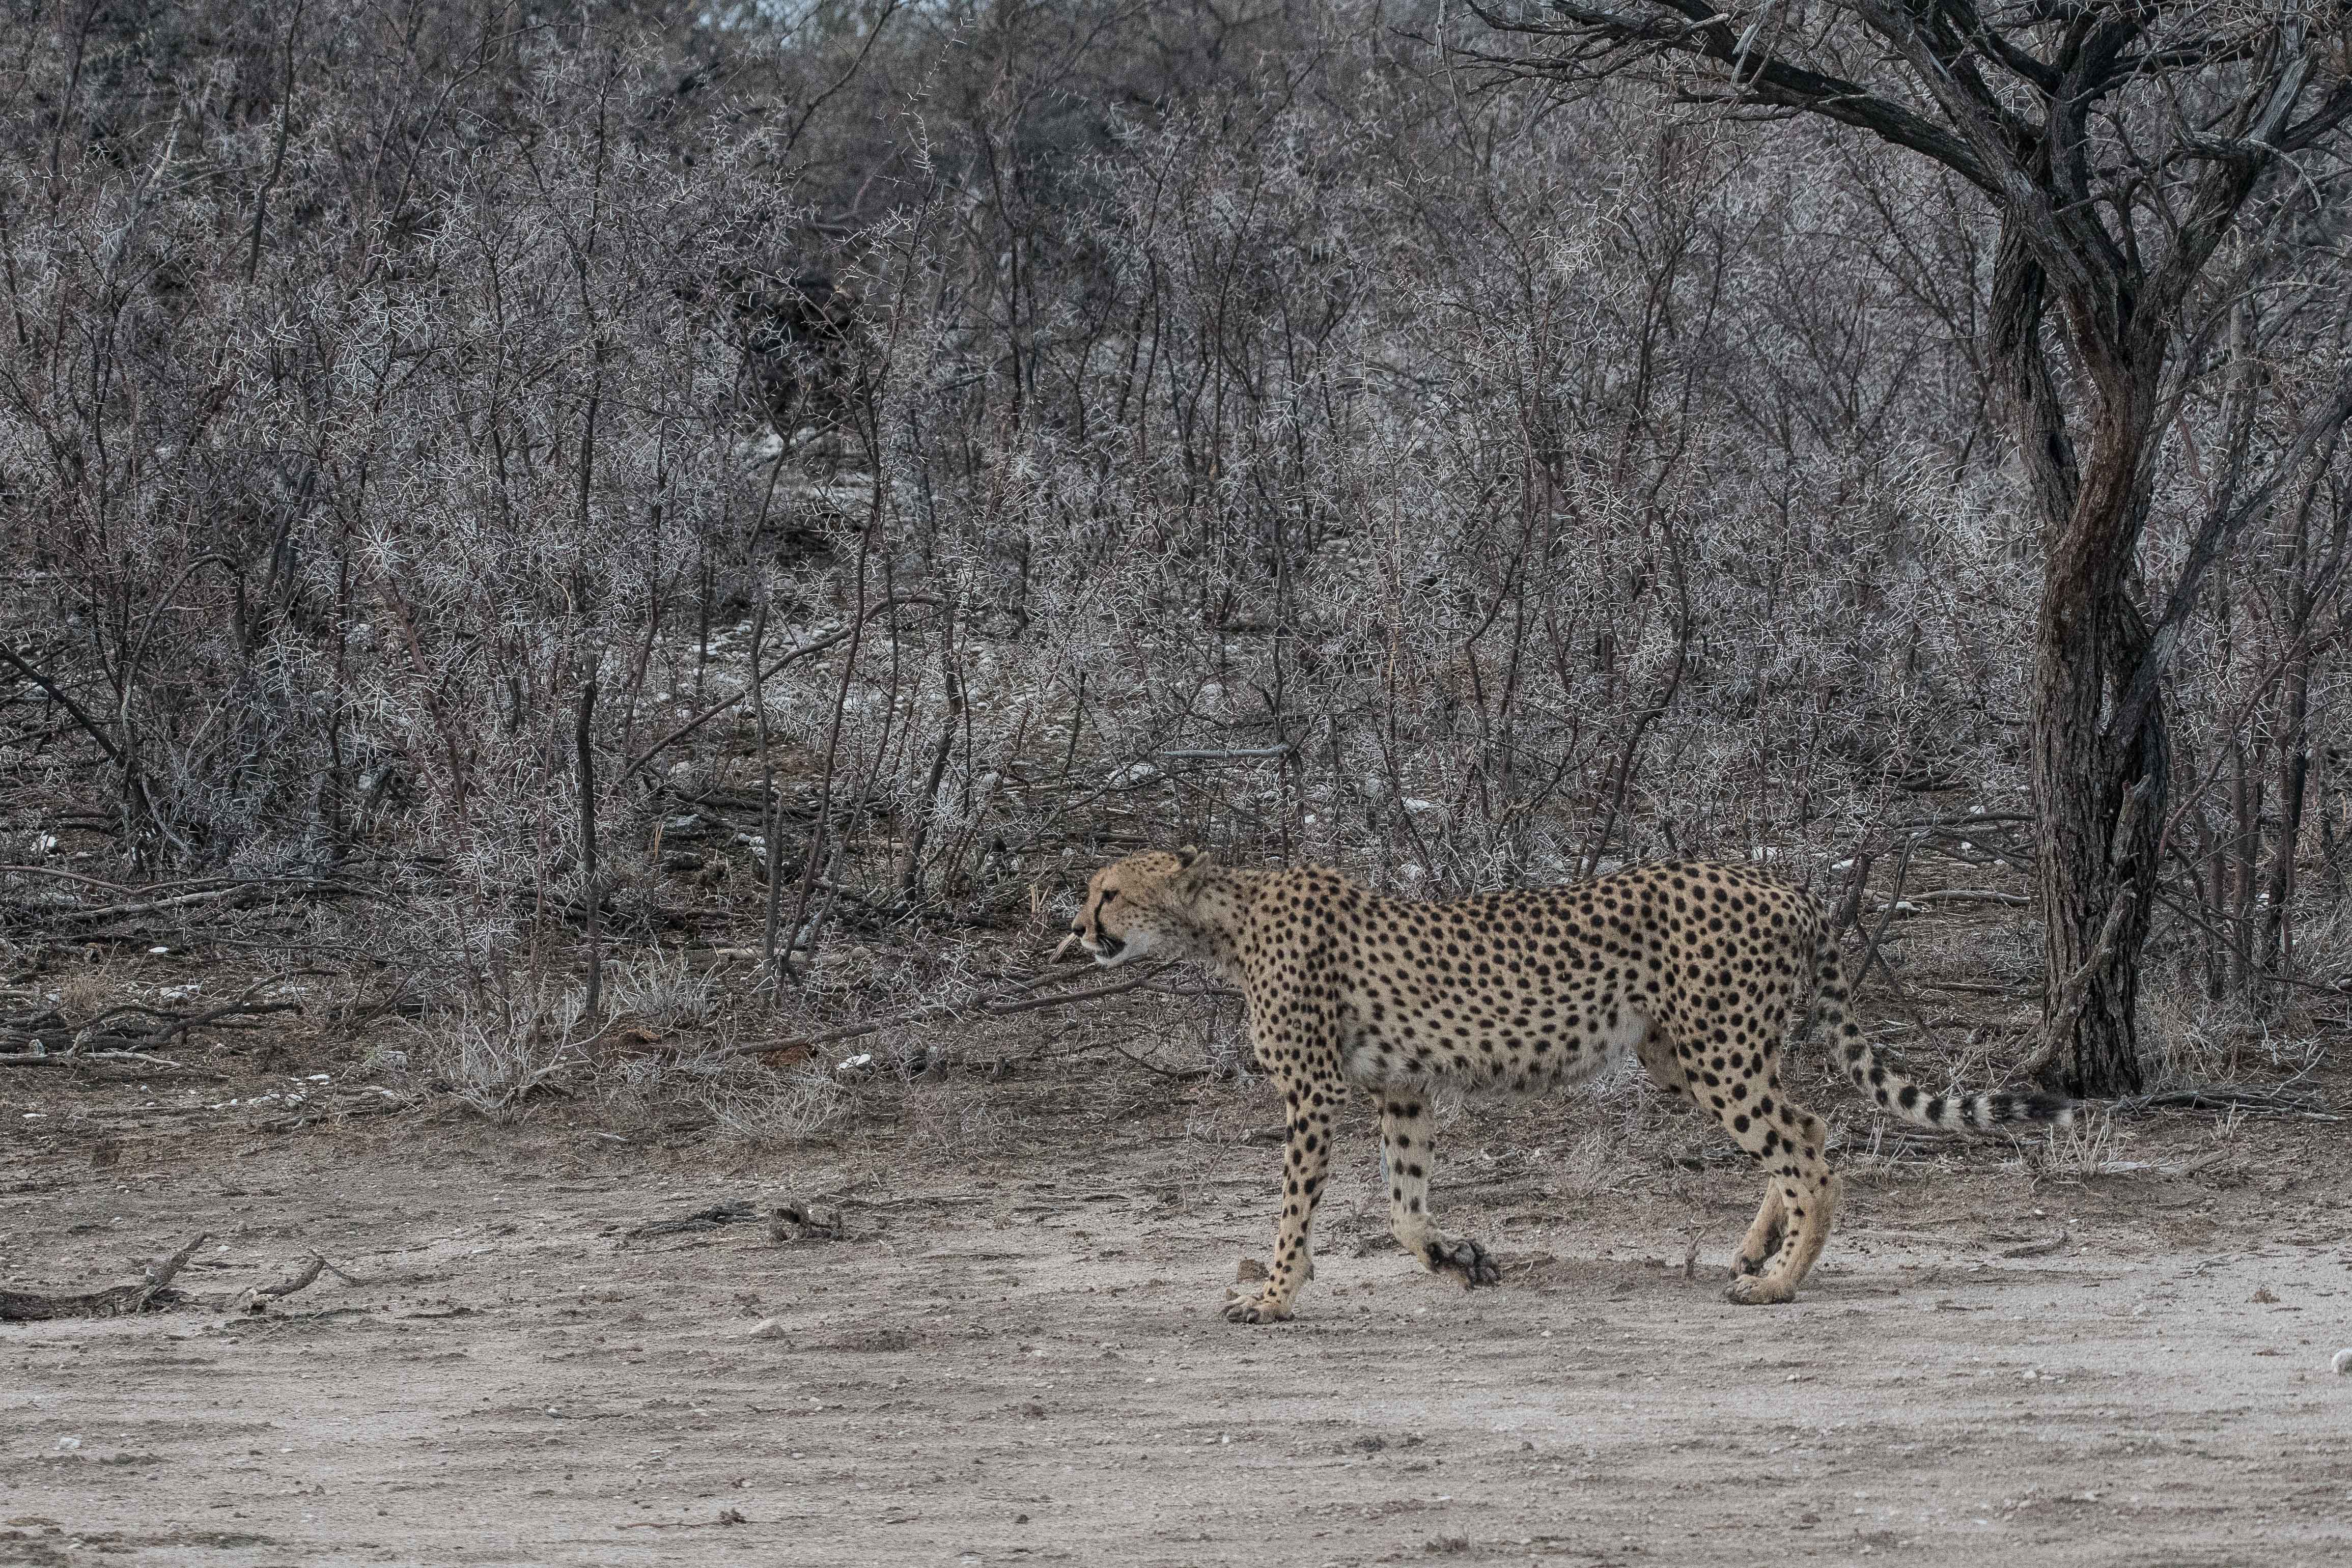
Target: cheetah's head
[[1140, 906]]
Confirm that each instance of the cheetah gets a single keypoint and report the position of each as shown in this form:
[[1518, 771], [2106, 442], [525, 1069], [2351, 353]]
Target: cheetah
[[1692, 967]]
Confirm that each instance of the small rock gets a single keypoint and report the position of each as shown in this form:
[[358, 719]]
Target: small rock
[[2343, 1362], [729, 1516], [1249, 1269], [2263, 1295], [766, 1328]]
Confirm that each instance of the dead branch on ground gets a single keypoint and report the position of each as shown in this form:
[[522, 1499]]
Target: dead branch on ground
[[2251, 1100], [368, 1101], [106, 1058], [122, 1302], [257, 1298], [1002, 1006], [123, 1032], [212, 898], [1910, 902], [1175, 1075], [710, 1218]]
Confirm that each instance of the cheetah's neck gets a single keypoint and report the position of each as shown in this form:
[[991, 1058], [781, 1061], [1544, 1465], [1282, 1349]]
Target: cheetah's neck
[[1217, 913]]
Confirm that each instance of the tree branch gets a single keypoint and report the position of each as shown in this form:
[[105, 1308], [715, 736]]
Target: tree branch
[[72, 708], [1763, 79], [2220, 528], [1000, 1008]]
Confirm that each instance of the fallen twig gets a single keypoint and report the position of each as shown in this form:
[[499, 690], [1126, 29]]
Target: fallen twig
[[2226, 1097], [1956, 896], [258, 1299], [996, 1007], [66, 876], [212, 898], [101, 1058], [368, 1103], [1180, 1075], [2022, 991], [122, 1302], [151, 906], [710, 1218], [245, 1006], [55, 1037]]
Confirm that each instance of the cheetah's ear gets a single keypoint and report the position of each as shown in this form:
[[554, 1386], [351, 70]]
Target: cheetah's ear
[[1188, 857]]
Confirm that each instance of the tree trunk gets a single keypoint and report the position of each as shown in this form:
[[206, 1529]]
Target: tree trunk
[[2101, 803], [2100, 798], [2294, 776]]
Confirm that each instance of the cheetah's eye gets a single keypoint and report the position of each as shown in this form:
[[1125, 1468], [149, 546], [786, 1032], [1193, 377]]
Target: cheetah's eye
[[1109, 894]]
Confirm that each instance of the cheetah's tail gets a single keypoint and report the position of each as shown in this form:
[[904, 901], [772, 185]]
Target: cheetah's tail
[[1833, 1024]]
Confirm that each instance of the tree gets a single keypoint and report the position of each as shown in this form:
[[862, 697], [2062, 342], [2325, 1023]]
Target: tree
[[2146, 161]]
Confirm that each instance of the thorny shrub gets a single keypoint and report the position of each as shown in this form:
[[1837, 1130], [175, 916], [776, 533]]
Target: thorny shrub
[[1114, 442]]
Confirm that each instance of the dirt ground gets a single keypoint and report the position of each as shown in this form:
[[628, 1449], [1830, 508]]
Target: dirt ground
[[1013, 1358]]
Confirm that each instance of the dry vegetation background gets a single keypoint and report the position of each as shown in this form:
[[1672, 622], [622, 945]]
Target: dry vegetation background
[[567, 542]]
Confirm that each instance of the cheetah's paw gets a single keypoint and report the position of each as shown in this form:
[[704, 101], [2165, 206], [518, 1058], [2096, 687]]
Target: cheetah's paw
[[1254, 1307], [1464, 1260], [1756, 1263], [1759, 1291]]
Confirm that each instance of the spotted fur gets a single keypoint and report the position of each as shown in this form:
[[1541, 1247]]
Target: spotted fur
[[1694, 968]]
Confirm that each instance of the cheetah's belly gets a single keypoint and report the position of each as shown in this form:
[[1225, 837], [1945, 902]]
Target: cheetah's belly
[[1522, 1044]]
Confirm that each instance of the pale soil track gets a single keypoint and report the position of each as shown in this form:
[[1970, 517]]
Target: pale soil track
[[1025, 1364]]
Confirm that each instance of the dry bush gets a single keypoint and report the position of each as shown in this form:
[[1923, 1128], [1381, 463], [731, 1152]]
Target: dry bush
[[495, 1050], [2092, 1146], [945, 489], [804, 1104], [662, 988]]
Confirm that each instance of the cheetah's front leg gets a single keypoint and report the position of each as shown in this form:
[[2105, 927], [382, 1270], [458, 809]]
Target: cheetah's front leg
[[1305, 1167], [1407, 1155]]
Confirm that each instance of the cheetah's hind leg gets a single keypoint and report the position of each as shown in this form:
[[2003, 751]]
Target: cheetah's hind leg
[[1788, 1142], [1762, 1242], [1406, 1156]]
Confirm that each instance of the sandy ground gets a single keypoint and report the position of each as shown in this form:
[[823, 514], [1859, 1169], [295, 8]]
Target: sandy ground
[[1010, 1360]]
